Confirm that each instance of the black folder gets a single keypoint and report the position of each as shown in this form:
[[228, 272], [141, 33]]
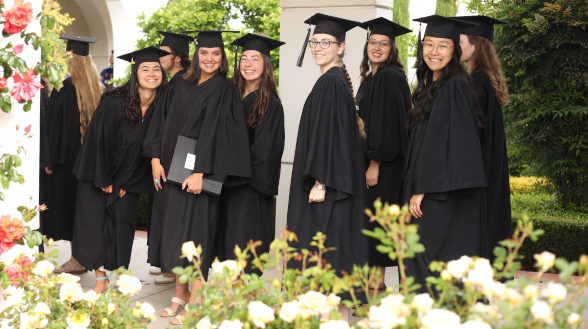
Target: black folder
[[182, 166]]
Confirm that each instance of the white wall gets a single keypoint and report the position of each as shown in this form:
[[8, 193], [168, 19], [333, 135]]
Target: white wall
[[17, 194]]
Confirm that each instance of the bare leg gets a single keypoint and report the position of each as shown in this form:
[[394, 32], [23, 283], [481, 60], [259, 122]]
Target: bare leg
[[101, 285], [344, 310], [196, 285], [182, 292]]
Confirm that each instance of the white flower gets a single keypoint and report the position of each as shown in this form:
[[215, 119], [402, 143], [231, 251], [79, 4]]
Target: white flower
[[189, 250], [363, 323], [235, 324], [77, 321], [91, 297], [111, 308], [555, 292], [542, 311], [233, 266], [314, 302], [8, 257], [71, 292], [43, 268], [513, 297], [482, 264], [490, 310], [128, 284], [42, 308], [499, 290], [67, 278], [32, 321], [440, 319], [480, 278], [545, 260], [334, 300], [384, 319], [395, 303], [147, 311], [531, 292], [290, 311], [445, 275], [260, 314], [334, 324], [422, 302], [573, 319], [475, 325], [457, 268], [204, 323]]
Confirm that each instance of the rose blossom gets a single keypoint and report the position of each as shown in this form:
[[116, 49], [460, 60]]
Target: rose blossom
[[42, 308], [555, 292], [459, 267], [18, 49], [18, 17], [290, 311], [128, 284], [531, 292], [545, 260], [3, 83], [27, 129], [71, 292], [260, 314], [542, 311], [440, 319], [334, 324], [313, 301], [44, 268], [422, 302], [478, 324], [11, 229], [77, 320], [235, 324], [573, 319], [25, 87], [204, 323]]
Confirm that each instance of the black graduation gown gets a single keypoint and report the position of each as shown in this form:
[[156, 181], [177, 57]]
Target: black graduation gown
[[445, 163], [111, 155], [493, 143], [248, 209], [383, 101], [151, 149], [64, 142], [328, 149], [212, 114]]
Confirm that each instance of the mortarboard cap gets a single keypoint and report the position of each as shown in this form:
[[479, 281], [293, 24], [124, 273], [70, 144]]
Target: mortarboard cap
[[484, 29], [385, 27], [149, 54], [176, 41], [443, 27], [252, 41], [78, 44]]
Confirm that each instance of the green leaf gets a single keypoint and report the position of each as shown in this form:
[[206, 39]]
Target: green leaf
[[22, 66], [36, 42], [5, 182], [184, 278], [17, 160], [50, 22], [6, 107], [4, 280], [8, 162], [2, 197], [27, 106], [44, 21]]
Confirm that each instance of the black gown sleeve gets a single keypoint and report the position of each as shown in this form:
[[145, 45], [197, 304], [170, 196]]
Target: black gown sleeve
[[60, 118], [488, 134], [447, 155], [95, 159], [44, 143], [267, 149]]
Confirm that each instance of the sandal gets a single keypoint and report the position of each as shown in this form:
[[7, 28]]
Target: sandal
[[169, 312], [178, 319], [70, 268], [101, 279]]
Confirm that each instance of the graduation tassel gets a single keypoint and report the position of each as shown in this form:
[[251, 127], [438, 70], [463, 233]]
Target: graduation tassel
[[301, 57], [419, 59], [133, 87], [235, 68], [197, 60]]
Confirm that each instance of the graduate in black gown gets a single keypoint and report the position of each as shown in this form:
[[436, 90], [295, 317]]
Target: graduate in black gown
[[68, 116], [482, 62], [445, 172], [248, 209], [176, 65], [206, 107], [112, 171], [383, 100], [328, 190]]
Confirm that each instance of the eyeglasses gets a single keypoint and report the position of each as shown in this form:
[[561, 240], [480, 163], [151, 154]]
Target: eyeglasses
[[442, 49], [324, 44], [381, 43]]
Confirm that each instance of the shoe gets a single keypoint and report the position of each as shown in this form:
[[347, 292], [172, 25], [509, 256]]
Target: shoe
[[170, 312], [71, 268], [162, 279], [154, 270], [178, 321]]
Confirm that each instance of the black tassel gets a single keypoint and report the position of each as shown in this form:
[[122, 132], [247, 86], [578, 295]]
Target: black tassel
[[197, 74], [303, 51], [235, 71], [419, 59], [133, 82]]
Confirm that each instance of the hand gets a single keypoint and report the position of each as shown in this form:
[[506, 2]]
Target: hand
[[122, 193], [49, 170], [193, 183], [371, 175], [316, 195], [415, 205], [158, 173], [107, 189]]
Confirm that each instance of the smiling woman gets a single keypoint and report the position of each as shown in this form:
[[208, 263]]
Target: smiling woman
[[111, 170]]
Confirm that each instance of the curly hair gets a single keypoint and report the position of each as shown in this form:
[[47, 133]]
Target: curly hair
[[392, 60]]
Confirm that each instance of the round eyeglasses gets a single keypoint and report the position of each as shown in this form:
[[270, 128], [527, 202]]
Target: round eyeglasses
[[442, 49], [374, 43], [324, 44]]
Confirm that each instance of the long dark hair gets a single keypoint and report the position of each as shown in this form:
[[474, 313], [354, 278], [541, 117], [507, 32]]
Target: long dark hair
[[267, 86], [185, 61], [485, 60], [133, 104], [393, 60], [224, 67], [424, 94]]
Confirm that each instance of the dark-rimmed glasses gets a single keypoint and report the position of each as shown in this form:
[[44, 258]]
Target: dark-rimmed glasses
[[324, 43]]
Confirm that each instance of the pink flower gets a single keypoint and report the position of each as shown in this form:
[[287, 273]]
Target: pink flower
[[42, 207], [18, 17], [28, 129], [25, 87], [3, 83], [20, 271], [4, 246], [18, 49]]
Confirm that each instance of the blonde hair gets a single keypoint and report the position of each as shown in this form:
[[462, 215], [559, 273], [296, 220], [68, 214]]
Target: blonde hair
[[89, 89]]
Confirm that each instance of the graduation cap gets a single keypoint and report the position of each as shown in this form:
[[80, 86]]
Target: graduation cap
[[440, 27], [252, 41], [78, 44], [385, 27], [207, 39], [484, 29], [326, 24], [176, 41], [149, 54]]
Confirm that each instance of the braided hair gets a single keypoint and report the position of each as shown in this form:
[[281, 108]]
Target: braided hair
[[360, 123]]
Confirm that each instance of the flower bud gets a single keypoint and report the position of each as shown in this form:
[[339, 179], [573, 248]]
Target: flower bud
[[276, 283], [17, 126], [545, 260], [111, 308], [583, 260], [50, 242], [574, 319], [445, 275], [104, 322], [394, 210], [531, 292]]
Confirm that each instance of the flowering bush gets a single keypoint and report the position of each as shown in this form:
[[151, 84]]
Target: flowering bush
[[469, 293], [525, 184]]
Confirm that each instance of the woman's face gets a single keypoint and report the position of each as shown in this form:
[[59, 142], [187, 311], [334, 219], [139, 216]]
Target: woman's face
[[437, 52], [378, 48], [149, 75], [329, 54], [251, 66], [167, 62], [210, 59], [467, 49]]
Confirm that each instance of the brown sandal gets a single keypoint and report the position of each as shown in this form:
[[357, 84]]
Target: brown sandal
[[70, 268]]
